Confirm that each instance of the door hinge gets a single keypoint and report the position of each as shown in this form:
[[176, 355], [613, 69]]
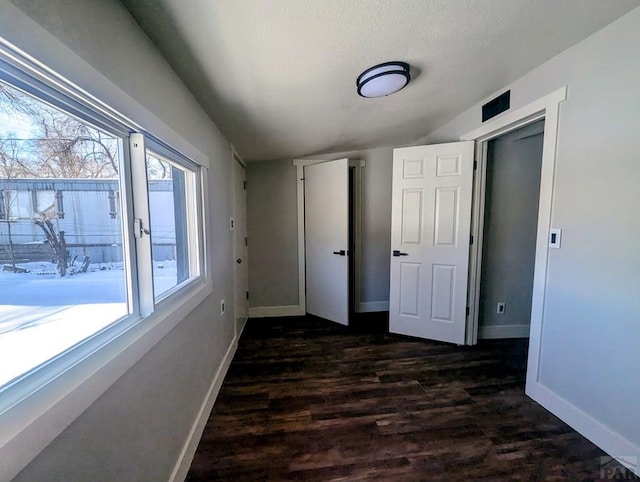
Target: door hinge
[[247, 295], [475, 165], [246, 242], [468, 311], [471, 239], [244, 185]]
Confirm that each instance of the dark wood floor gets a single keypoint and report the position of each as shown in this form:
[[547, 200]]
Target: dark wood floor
[[306, 399]]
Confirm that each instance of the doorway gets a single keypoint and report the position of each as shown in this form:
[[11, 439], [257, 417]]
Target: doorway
[[508, 236], [329, 237]]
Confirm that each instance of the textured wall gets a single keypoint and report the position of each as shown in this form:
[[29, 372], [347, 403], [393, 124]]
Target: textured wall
[[273, 233]]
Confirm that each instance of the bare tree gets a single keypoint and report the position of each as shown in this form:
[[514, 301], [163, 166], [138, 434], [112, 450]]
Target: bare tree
[[57, 242], [59, 146], [53, 145]]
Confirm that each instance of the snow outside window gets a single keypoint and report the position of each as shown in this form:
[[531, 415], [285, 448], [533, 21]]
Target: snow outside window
[[61, 279]]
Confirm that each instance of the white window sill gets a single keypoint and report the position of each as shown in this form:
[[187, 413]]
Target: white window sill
[[40, 407]]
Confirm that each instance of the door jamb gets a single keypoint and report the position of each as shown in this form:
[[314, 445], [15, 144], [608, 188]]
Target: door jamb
[[548, 108], [235, 157], [301, 309]]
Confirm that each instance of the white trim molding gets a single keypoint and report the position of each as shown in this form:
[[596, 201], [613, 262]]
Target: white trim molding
[[512, 120], [181, 468], [275, 311], [547, 108], [302, 288], [604, 437], [302, 273], [503, 331]]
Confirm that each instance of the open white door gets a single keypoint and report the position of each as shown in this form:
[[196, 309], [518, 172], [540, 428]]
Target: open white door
[[326, 215], [430, 233]]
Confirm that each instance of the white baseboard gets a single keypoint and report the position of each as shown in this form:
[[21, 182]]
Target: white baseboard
[[503, 331], [274, 311], [181, 468], [243, 324], [373, 306], [613, 443]]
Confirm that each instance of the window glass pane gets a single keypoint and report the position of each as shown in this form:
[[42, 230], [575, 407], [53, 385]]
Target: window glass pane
[[62, 270], [45, 204], [169, 206], [18, 205]]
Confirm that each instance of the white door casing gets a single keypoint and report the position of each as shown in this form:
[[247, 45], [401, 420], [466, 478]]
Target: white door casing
[[326, 200], [241, 275], [430, 230]]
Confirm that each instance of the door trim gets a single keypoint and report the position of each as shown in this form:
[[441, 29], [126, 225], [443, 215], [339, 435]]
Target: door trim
[[301, 308], [238, 298], [546, 108]]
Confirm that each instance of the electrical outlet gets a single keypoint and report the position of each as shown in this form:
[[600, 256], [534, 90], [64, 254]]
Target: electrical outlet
[[501, 307], [222, 307]]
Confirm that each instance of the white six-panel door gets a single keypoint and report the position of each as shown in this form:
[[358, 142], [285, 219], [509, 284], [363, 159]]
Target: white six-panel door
[[326, 213], [430, 234]]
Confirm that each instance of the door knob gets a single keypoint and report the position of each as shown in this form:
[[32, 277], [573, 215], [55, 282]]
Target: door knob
[[398, 253], [342, 252], [239, 261]]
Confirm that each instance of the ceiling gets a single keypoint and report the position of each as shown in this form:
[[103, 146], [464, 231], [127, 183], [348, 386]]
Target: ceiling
[[278, 76]]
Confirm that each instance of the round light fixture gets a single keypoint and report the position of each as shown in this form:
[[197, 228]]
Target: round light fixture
[[383, 79]]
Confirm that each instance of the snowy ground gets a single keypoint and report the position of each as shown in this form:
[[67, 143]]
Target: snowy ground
[[42, 314]]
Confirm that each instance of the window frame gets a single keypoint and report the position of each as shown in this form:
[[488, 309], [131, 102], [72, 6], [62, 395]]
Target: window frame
[[193, 193], [38, 406]]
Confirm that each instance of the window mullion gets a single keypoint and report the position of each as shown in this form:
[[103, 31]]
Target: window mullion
[[141, 224]]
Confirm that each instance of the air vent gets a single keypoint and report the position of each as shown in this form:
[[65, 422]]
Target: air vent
[[496, 106]]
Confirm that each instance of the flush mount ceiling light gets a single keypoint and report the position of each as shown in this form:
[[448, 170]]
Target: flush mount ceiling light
[[383, 79]]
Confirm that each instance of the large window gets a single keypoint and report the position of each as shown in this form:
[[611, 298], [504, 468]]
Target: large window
[[74, 257]]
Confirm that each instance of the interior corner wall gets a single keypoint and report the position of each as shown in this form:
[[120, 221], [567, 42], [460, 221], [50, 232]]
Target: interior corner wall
[[138, 427], [273, 234], [272, 224], [589, 358]]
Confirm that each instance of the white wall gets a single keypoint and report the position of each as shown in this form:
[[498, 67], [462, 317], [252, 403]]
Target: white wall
[[137, 428], [589, 348], [273, 235]]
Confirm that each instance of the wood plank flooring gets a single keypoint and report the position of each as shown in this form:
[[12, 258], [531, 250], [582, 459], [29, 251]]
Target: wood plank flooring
[[306, 399]]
